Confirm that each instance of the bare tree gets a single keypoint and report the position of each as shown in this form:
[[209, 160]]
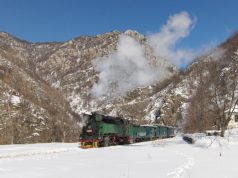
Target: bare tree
[[199, 113], [225, 96]]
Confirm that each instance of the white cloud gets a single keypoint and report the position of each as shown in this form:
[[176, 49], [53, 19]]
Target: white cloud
[[164, 42]]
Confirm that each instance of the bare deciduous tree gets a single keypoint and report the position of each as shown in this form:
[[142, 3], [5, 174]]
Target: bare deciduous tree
[[225, 96]]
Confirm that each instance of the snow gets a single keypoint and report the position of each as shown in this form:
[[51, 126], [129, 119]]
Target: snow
[[56, 84], [15, 100], [167, 158], [236, 52], [234, 111], [76, 102], [78, 60]]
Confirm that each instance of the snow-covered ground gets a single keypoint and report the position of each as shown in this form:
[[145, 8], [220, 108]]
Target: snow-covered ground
[[209, 157]]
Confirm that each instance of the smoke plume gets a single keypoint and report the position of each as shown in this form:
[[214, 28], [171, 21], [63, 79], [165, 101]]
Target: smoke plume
[[128, 68], [164, 42], [125, 70]]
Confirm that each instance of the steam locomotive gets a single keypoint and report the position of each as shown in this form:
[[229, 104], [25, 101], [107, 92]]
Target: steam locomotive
[[102, 131]]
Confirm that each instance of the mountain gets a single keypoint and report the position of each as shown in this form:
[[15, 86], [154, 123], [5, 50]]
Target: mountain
[[45, 87]]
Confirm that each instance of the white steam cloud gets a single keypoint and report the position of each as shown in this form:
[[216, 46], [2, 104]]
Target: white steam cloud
[[177, 27], [125, 70], [128, 68]]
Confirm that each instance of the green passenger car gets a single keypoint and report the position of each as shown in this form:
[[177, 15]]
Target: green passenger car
[[171, 131], [161, 131], [150, 132]]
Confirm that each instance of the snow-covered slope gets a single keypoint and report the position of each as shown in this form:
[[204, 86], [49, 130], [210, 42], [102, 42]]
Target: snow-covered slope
[[168, 158]]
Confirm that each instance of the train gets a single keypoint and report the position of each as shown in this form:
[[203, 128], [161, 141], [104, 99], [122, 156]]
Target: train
[[102, 131]]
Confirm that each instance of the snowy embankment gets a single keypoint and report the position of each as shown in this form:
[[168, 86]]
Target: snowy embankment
[[208, 157]]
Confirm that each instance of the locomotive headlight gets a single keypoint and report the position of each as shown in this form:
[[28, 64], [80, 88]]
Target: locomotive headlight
[[99, 138]]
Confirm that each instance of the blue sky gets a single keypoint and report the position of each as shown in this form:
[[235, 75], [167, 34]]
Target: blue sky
[[60, 20]]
